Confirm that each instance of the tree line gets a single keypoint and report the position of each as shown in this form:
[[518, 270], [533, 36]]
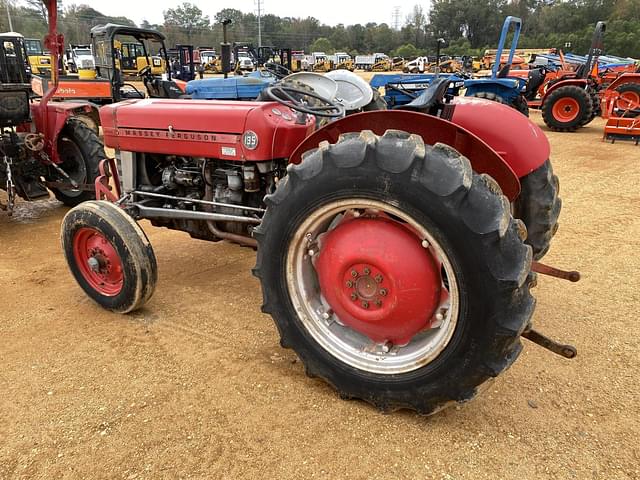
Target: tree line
[[468, 27]]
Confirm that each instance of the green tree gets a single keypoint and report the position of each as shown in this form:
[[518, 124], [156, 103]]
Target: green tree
[[321, 45], [408, 50], [186, 18]]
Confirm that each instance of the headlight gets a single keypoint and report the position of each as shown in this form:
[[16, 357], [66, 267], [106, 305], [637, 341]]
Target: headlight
[[250, 140]]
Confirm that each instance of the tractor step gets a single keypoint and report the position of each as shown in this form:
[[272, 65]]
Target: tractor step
[[566, 351]]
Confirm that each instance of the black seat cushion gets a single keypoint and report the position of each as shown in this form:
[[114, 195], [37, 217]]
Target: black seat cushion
[[432, 97]]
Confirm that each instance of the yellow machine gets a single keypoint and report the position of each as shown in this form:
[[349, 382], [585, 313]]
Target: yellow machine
[[39, 60], [397, 64], [450, 66], [342, 61], [321, 63], [133, 58], [382, 65]]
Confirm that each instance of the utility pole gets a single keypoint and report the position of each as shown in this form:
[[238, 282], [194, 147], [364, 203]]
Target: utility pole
[[259, 5], [395, 18], [6, 2]]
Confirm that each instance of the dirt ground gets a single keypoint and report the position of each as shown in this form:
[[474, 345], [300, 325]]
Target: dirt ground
[[196, 385]]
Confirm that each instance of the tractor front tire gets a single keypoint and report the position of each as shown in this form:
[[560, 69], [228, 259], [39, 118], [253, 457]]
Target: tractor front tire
[[81, 152], [538, 206], [567, 109], [109, 255], [362, 226]]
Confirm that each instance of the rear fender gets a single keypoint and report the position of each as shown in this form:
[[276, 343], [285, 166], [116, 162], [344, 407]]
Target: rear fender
[[519, 142], [576, 82], [57, 115], [432, 130], [624, 78]]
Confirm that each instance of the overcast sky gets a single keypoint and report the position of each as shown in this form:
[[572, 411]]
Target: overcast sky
[[330, 12]]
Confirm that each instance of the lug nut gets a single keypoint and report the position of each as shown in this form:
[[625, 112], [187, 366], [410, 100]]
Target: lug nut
[[354, 296], [383, 292], [379, 279], [378, 303], [367, 271], [349, 284], [354, 274], [365, 304]]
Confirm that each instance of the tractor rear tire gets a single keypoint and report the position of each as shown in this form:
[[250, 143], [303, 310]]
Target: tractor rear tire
[[109, 255], [520, 104], [567, 109], [489, 96], [430, 194], [538, 206], [81, 152]]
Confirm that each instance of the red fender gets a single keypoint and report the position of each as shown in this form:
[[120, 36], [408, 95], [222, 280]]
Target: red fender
[[433, 130], [624, 78], [520, 142], [57, 114]]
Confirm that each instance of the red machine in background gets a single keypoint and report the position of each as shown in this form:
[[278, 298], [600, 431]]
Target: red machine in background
[[622, 108], [44, 145]]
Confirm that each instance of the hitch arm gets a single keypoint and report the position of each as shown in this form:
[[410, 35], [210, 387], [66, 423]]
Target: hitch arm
[[566, 351]]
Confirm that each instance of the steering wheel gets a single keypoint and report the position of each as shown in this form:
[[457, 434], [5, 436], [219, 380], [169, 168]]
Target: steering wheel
[[293, 98], [277, 70], [144, 71]]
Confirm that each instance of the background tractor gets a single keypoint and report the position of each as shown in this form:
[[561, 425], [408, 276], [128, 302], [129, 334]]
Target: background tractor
[[500, 87], [387, 251], [44, 146]]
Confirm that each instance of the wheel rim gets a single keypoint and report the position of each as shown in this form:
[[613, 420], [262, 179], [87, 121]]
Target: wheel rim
[[627, 100], [73, 164], [566, 109], [98, 261], [355, 335]]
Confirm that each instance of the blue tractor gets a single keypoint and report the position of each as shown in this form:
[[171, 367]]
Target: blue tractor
[[500, 87]]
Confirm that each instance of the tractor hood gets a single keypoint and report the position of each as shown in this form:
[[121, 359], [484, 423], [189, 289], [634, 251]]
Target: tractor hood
[[203, 128]]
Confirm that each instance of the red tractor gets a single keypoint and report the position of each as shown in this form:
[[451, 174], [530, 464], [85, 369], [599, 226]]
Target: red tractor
[[44, 145], [392, 246]]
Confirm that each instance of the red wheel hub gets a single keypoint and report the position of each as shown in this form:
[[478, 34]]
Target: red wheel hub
[[566, 109], [98, 261], [379, 279], [628, 100]]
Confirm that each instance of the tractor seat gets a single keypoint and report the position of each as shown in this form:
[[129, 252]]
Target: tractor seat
[[432, 97]]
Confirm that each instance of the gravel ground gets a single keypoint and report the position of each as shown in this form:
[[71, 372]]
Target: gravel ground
[[196, 385]]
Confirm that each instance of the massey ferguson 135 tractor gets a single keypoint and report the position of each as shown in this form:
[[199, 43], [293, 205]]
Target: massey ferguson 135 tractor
[[43, 145], [394, 247]]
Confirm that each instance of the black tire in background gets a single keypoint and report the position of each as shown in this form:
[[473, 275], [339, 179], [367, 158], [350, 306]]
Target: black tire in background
[[470, 217], [538, 206], [139, 266], [81, 152], [575, 94], [520, 104]]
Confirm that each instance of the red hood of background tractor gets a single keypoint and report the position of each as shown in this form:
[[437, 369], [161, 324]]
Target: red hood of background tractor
[[203, 128]]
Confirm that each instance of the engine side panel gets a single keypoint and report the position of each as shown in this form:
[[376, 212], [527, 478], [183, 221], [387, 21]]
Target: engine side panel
[[209, 129]]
